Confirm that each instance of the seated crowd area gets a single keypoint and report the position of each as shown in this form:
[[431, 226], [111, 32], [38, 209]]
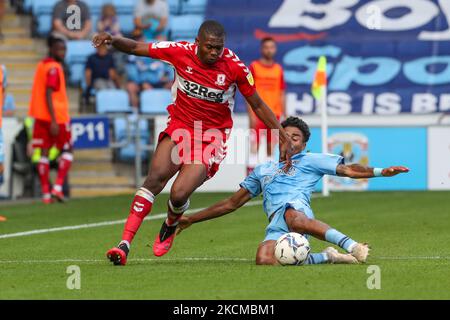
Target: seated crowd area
[[95, 70]]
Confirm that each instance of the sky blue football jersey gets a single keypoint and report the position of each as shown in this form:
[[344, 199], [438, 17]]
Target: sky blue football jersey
[[279, 188]]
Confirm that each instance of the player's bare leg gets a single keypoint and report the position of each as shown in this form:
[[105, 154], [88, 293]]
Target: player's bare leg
[[43, 168], [191, 176], [161, 171], [298, 222], [265, 253]]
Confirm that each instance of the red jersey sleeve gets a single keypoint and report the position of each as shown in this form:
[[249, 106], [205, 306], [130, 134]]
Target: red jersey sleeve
[[53, 81], [245, 81], [164, 50]]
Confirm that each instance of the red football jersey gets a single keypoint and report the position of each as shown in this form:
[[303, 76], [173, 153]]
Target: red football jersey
[[203, 92]]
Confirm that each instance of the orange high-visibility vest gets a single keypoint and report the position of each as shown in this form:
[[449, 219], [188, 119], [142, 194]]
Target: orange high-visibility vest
[[270, 84], [38, 103]]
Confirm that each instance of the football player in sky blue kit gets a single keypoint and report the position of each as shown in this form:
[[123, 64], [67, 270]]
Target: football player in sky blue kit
[[286, 199]]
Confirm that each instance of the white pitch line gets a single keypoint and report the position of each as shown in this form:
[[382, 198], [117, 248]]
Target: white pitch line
[[101, 224], [414, 258], [190, 259], [206, 259]]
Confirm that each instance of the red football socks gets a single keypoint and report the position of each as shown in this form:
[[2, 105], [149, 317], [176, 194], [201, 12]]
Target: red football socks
[[43, 167], [63, 169], [140, 208]]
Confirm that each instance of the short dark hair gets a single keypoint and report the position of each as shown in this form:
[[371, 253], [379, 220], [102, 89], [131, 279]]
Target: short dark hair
[[213, 28], [52, 40], [267, 39], [298, 123]]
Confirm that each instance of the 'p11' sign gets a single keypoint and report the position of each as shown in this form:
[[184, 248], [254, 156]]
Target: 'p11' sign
[[90, 133]]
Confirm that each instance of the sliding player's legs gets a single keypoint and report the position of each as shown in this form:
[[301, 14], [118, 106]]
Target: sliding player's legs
[[276, 228], [161, 171], [190, 177], [266, 255], [301, 219]]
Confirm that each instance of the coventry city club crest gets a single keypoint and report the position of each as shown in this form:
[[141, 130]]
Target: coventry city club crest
[[353, 146]]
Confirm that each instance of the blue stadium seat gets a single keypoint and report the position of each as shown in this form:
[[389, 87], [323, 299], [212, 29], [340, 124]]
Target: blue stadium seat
[[112, 100], [76, 73], [185, 26], [95, 6], [40, 7], [174, 6], [28, 5], [128, 153], [155, 101], [44, 24], [193, 6], [78, 51], [124, 6], [126, 22], [120, 128]]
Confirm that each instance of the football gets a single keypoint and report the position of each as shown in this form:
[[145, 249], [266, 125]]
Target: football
[[292, 249]]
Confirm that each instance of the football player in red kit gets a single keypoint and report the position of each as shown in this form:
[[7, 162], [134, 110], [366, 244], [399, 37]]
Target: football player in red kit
[[200, 121]]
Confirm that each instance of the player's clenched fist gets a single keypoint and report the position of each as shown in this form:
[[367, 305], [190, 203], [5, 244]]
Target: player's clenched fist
[[101, 38]]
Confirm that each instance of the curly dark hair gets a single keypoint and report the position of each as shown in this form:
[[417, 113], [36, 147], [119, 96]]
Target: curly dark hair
[[298, 123]]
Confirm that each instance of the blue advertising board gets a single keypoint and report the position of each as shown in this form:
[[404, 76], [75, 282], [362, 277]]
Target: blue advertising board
[[90, 132], [378, 147], [385, 56]]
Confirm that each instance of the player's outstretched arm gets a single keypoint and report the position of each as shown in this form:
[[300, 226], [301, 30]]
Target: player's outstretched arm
[[357, 171], [219, 209], [120, 43], [266, 115]]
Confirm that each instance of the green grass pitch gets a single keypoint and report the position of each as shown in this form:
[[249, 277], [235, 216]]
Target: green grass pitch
[[408, 232]]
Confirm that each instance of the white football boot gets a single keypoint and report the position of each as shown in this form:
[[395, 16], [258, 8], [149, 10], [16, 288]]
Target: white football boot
[[335, 257], [360, 251]]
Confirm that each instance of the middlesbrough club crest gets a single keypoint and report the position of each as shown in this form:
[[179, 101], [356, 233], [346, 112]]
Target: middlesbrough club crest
[[220, 79]]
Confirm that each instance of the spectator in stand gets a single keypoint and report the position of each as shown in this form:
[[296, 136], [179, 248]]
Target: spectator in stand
[[100, 71], [144, 73], [151, 18], [7, 103], [109, 22], [9, 106], [65, 24]]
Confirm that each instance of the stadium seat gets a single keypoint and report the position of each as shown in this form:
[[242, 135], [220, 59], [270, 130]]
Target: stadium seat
[[95, 6], [126, 22], [42, 15], [112, 100], [76, 73], [44, 24], [78, 51], [174, 6], [40, 7], [27, 5], [155, 101], [193, 6], [128, 153], [124, 6], [185, 26]]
